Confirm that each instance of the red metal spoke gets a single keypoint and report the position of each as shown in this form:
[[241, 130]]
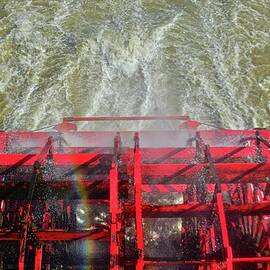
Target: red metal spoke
[[224, 231], [138, 205], [114, 212], [38, 258]]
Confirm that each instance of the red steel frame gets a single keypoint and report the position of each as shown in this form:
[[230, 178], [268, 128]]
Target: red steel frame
[[234, 169]]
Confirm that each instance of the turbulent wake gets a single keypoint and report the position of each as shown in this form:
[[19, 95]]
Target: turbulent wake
[[208, 59]]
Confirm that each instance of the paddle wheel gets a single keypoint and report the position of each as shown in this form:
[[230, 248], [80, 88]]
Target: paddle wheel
[[190, 198]]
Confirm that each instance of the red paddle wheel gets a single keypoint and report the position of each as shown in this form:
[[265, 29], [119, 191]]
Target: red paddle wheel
[[180, 199]]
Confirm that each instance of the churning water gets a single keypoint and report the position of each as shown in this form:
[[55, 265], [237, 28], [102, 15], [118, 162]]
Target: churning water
[[206, 58]]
